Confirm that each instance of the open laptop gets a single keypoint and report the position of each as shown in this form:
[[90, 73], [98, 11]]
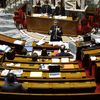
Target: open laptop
[[54, 71]]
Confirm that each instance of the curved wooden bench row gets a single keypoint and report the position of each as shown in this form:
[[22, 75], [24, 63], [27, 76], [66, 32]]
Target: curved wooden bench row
[[28, 96]]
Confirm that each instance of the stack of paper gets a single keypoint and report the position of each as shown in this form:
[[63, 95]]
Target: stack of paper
[[97, 40], [93, 58], [55, 60], [36, 15], [10, 64], [57, 43], [40, 42], [35, 74], [64, 60], [44, 66], [4, 72], [17, 65], [17, 72], [4, 48], [18, 42]]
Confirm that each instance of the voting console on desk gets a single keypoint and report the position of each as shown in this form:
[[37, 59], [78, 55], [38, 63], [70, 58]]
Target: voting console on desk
[[54, 71]]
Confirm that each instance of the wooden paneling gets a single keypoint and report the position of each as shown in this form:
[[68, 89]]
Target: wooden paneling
[[43, 24]]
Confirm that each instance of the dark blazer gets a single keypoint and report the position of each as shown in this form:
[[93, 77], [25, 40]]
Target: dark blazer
[[46, 9], [59, 11], [55, 34], [12, 87], [64, 54]]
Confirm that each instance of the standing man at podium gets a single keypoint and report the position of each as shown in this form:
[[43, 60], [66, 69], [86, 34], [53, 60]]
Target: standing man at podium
[[55, 32]]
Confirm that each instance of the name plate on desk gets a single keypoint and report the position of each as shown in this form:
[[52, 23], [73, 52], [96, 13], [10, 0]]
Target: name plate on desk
[[54, 75]]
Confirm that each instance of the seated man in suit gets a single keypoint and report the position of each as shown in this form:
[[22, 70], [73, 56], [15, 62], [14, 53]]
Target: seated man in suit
[[59, 10], [11, 85], [62, 52], [44, 52], [55, 32], [46, 8]]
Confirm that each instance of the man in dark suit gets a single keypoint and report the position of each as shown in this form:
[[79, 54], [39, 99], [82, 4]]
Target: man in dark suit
[[63, 53], [11, 85], [55, 32], [59, 10], [46, 8]]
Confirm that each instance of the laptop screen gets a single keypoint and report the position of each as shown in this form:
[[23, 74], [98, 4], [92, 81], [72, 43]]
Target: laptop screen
[[54, 68]]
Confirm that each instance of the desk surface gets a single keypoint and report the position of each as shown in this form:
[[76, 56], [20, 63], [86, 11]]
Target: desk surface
[[92, 51], [42, 61], [45, 45], [68, 66], [62, 85], [45, 74], [9, 40]]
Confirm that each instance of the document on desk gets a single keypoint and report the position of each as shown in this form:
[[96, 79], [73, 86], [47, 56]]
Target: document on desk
[[4, 72], [97, 40], [93, 58], [18, 42], [44, 67], [64, 60], [36, 15], [35, 74], [40, 42], [17, 65], [10, 64], [54, 75], [55, 60], [4, 48], [60, 17], [57, 43], [17, 72]]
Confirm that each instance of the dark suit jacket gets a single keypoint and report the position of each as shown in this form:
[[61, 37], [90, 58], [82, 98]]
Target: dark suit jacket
[[46, 9], [55, 34], [59, 11], [12, 87], [64, 54]]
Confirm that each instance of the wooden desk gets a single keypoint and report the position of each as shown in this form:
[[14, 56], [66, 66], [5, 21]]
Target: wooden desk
[[50, 96], [93, 51], [43, 24], [90, 51], [46, 75], [58, 87], [97, 71], [45, 45], [6, 40], [28, 60], [25, 66], [62, 85], [9, 40]]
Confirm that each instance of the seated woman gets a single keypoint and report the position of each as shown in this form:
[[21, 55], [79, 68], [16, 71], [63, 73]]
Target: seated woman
[[11, 84], [62, 52]]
